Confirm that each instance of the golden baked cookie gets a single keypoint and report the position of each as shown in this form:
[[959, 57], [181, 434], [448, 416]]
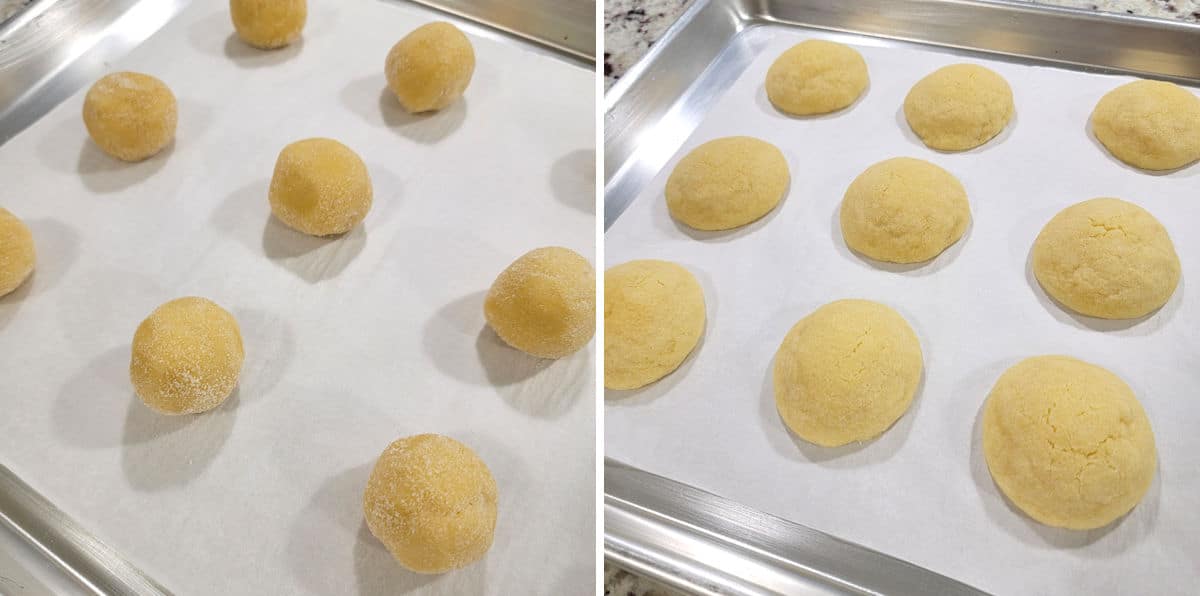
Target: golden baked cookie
[[726, 183], [959, 107], [653, 318], [431, 67], [1153, 125], [17, 252], [544, 303], [816, 77], [320, 187], [268, 24], [129, 115]]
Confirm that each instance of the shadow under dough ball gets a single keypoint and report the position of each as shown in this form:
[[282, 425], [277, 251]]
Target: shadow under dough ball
[[1106, 258], [320, 187], [1067, 442], [431, 67], [653, 318], [727, 183], [816, 77], [432, 502], [1153, 125], [959, 107], [544, 303], [846, 372], [129, 115], [187, 356], [268, 24], [17, 252]]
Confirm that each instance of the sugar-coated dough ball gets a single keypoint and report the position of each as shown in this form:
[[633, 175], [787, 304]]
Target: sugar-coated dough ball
[[1106, 258], [959, 107], [544, 303], [17, 253], [431, 67], [816, 77], [1067, 442], [904, 210], [653, 318], [268, 24], [187, 356], [846, 372], [726, 183], [320, 187], [1153, 125], [129, 115], [432, 502]]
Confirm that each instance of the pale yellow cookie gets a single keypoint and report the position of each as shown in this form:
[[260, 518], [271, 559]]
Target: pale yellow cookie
[[904, 210], [816, 77], [17, 252], [544, 303], [129, 115], [431, 67], [727, 183], [187, 356], [1106, 258], [1067, 442], [268, 24], [959, 107], [1152, 125], [432, 502], [653, 318], [846, 372], [320, 187]]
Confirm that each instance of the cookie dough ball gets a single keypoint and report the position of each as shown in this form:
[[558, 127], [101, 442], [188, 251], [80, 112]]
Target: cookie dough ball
[[727, 183], [431, 67], [432, 502], [544, 303], [846, 372], [1151, 125], [959, 107], [904, 210], [320, 187], [187, 356], [816, 77], [268, 24], [17, 253], [1106, 258], [1067, 442], [129, 115], [653, 318]]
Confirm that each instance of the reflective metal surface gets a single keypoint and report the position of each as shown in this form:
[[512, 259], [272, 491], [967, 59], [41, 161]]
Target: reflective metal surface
[[568, 26]]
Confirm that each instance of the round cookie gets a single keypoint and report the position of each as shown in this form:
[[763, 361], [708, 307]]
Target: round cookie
[[544, 303], [320, 187], [904, 210], [431, 67], [726, 183], [846, 372], [816, 77], [17, 252], [1067, 442], [653, 318], [432, 502], [959, 107], [1153, 125], [129, 115], [1106, 258], [187, 356], [268, 24]]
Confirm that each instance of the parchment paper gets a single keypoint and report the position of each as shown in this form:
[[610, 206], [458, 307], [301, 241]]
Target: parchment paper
[[922, 492], [351, 343]]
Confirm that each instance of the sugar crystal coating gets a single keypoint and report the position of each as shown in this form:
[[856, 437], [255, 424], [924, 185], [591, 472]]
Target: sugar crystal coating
[[17, 252], [268, 24], [431, 67], [129, 115], [544, 303], [320, 187]]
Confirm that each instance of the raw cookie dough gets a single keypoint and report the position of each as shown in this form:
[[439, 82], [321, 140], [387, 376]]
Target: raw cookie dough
[[1151, 125], [1067, 442], [653, 318], [904, 210], [432, 502], [1106, 258], [320, 187], [129, 115], [959, 107], [268, 24], [430, 68], [816, 77], [544, 303], [846, 372], [17, 253], [726, 183], [187, 356]]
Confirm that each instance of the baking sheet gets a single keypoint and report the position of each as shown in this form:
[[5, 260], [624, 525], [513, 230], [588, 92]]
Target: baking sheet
[[351, 343], [921, 492]]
